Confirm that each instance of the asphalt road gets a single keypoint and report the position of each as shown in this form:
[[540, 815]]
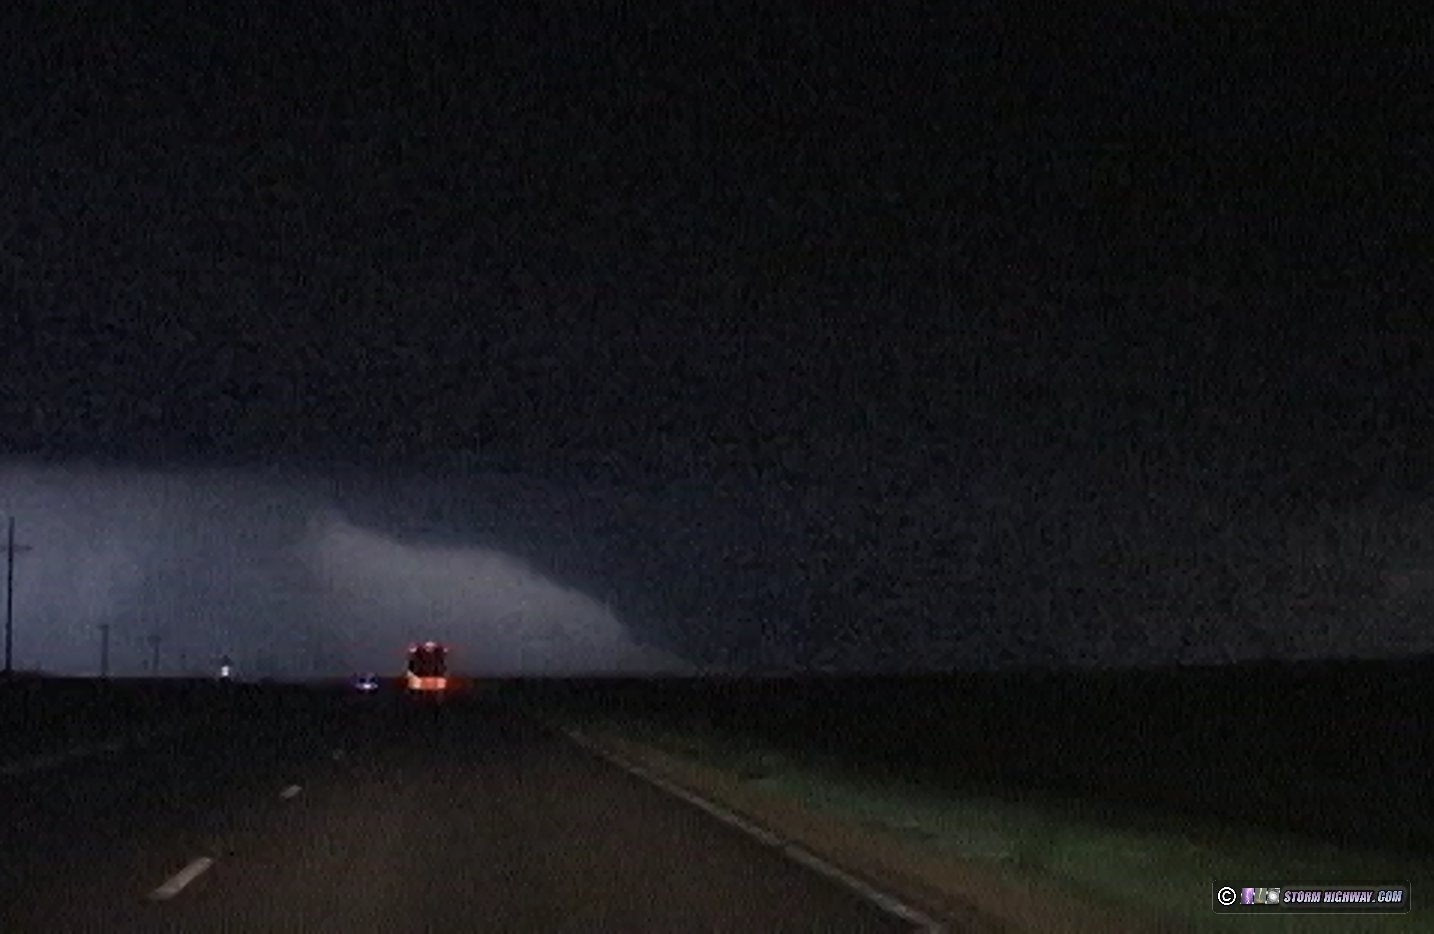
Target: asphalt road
[[325, 812]]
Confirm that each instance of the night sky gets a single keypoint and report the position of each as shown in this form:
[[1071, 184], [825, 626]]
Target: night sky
[[879, 337]]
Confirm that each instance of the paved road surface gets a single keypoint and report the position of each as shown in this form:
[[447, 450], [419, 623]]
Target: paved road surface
[[464, 818]]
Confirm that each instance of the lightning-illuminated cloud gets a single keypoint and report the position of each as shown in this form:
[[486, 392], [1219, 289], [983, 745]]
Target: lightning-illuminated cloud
[[498, 614], [266, 570]]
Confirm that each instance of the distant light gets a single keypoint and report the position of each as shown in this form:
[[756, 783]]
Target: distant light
[[225, 671]]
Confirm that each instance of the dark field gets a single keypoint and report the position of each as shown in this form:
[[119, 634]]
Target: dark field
[[1336, 751]]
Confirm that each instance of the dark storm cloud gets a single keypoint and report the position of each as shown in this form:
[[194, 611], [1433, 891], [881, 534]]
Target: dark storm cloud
[[679, 242], [972, 312]]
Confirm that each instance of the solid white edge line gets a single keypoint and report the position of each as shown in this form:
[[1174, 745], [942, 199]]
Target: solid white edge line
[[792, 850], [180, 879], [289, 792]]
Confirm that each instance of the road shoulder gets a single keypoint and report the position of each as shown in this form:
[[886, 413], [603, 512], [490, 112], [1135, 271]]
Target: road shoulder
[[966, 894]]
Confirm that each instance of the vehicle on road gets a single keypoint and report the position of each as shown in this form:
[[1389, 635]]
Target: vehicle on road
[[366, 683], [427, 668]]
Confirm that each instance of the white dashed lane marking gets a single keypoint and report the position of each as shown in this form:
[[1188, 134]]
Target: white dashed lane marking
[[180, 879], [289, 792]]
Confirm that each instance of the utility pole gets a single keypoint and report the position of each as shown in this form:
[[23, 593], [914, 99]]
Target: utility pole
[[104, 650], [154, 640], [10, 549]]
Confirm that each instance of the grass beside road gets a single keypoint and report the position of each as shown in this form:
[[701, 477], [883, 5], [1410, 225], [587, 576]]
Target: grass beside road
[[1125, 857]]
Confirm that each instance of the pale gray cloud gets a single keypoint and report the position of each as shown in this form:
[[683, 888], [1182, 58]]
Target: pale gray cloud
[[267, 569]]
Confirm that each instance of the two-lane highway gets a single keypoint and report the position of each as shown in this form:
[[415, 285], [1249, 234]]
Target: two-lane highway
[[321, 812]]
